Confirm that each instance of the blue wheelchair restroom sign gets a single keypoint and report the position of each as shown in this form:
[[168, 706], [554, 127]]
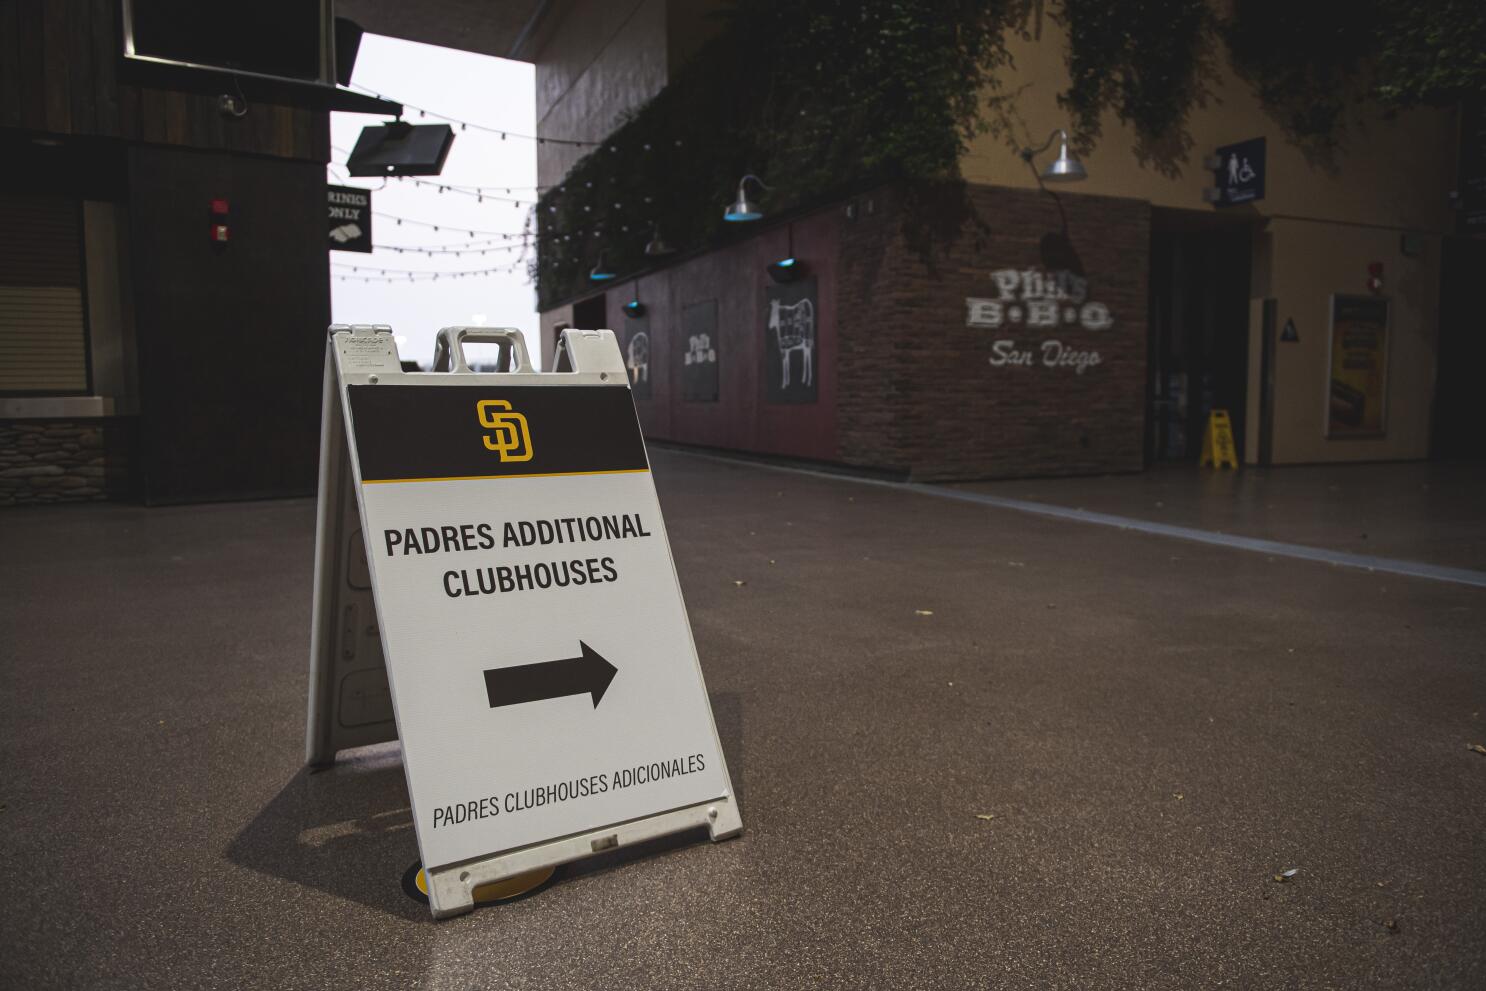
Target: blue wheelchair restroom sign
[[1240, 172]]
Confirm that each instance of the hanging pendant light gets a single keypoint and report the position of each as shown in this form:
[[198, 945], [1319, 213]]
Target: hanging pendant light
[[634, 308], [743, 209]]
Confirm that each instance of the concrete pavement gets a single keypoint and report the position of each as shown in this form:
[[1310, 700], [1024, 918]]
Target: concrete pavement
[[1157, 728], [1424, 511]]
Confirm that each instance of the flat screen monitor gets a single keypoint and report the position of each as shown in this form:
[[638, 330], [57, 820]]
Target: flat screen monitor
[[278, 39]]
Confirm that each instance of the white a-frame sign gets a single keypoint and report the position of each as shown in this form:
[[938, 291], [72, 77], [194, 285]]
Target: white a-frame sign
[[494, 586]]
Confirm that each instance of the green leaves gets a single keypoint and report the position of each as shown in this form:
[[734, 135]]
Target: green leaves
[[817, 98], [821, 97]]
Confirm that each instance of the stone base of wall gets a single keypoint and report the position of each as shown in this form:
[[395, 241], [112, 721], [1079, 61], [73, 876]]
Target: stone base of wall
[[54, 461]]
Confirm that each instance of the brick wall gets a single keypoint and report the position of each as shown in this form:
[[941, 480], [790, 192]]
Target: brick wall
[[918, 390], [50, 461], [906, 386]]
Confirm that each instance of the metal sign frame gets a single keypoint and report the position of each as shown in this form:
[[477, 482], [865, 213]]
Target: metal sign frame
[[347, 667]]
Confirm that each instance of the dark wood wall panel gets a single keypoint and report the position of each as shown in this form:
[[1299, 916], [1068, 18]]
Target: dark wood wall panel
[[231, 337], [735, 277], [60, 72]]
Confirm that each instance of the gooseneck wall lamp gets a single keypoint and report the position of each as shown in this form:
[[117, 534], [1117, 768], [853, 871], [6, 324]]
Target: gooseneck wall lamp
[[1065, 168], [742, 208], [601, 272], [657, 247]]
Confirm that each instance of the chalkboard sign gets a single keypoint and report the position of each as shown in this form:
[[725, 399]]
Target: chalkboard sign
[[350, 218], [699, 352], [790, 343], [635, 335]]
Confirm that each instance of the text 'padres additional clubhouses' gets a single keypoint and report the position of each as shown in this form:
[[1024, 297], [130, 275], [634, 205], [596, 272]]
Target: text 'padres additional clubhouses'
[[489, 579], [538, 651]]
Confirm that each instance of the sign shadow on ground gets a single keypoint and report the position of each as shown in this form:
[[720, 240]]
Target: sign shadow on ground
[[347, 830]]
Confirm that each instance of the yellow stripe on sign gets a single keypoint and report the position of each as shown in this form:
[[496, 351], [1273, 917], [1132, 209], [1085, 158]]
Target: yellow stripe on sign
[[482, 478]]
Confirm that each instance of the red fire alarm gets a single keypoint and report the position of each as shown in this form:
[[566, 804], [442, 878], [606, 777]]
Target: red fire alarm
[[221, 228], [1375, 277]]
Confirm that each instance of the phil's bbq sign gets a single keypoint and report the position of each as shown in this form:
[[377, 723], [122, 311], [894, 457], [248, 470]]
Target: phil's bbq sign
[[1044, 304]]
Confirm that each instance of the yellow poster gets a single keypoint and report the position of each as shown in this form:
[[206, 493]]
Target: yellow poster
[[1359, 367]]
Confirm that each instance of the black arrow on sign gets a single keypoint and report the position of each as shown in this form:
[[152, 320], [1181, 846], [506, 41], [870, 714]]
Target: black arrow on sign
[[588, 672]]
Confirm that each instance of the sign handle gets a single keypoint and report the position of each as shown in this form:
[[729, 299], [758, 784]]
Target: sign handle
[[448, 354], [589, 352]]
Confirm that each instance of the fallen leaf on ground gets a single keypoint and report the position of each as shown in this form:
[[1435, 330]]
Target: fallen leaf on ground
[[1476, 747], [1178, 795], [923, 612], [987, 816], [1284, 876]]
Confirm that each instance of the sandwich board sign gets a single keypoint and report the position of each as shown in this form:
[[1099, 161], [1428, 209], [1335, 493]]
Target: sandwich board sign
[[494, 586]]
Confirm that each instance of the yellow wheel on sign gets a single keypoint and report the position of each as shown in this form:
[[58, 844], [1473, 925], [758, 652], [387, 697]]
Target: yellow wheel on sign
[[496, 891]]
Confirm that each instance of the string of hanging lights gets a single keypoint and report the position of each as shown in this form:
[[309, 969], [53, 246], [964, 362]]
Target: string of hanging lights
[[401, 279], [502, 133], [480, 193], [455, 228], [431, 250], [363, 269], [740, 210], [369, 273]]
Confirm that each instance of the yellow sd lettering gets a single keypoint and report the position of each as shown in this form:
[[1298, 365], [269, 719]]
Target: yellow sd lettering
[[511, 438]]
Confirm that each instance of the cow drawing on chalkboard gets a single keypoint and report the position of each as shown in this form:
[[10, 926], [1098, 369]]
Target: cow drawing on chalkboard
[[639, 358], [794, 330]]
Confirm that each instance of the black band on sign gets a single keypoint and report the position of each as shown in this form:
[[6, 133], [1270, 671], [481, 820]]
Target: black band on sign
[[423, 433]]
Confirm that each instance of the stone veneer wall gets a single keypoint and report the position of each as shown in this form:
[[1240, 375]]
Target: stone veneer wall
[[52, 461]]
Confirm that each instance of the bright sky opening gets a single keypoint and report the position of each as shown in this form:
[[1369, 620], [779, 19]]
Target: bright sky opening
[[390, 287]]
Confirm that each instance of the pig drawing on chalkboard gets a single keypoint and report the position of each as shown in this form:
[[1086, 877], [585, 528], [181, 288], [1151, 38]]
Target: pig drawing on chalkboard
[[794, 330], [639, 358]]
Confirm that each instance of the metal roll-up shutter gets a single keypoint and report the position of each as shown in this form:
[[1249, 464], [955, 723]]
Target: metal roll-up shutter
[[43, 336]]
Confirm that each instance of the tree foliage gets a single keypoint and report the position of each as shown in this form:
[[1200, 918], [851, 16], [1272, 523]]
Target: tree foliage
[[1310, 61], [816, 98], [820, 97], [1141, 58]]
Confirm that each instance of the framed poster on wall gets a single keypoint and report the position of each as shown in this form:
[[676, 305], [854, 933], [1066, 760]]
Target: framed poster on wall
[[699, 352], [1357, 367], [789, 343]]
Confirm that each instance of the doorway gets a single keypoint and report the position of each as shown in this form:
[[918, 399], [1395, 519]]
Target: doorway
[[590, 313], [1462, 353], [1199, 331]]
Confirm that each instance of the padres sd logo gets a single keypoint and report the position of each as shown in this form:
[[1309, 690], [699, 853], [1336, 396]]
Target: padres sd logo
[[511, 438]]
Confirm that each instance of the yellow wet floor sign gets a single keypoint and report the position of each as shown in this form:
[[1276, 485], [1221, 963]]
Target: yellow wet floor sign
[[1217, 441]]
